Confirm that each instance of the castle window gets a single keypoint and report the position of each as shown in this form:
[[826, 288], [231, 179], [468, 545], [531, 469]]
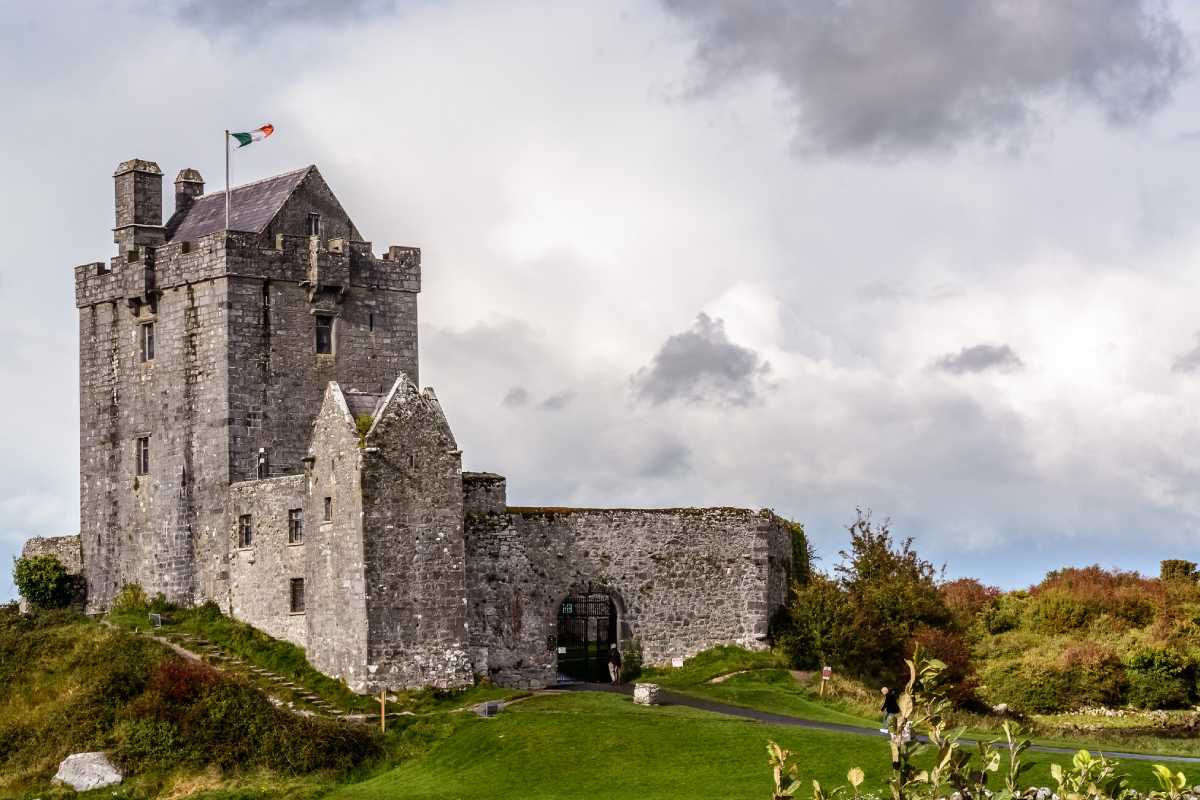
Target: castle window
[[371, 322], [324, 334], [329, 509], [297, 595], [146, 342], [263, 470], [143, 455], [295, 526], [312, 225], [245, 531]]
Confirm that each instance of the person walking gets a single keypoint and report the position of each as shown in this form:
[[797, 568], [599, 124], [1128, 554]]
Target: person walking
[[614, 662], [890, 709]]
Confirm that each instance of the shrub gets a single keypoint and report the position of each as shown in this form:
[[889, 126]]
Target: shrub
[[1002, 615], [959, 673], [132, 598], [1034, 685], [817, 626], [159, 604], [965, 598], [1159, 677], [631, 661], [1097, 676], [43, 581], [1175, 569], [1055, 611]]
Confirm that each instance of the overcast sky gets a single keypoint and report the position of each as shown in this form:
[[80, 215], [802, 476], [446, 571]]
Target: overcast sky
[[936, 258]]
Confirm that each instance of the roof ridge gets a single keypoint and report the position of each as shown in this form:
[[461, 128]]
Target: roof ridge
[[255, 183]]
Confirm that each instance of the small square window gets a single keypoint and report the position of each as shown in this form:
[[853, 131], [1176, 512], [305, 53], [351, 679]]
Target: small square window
[[312, 225], [297, 595], [146, 342], [324, 334], [245, 531], [295, 526], [143, 455], [328, 509]]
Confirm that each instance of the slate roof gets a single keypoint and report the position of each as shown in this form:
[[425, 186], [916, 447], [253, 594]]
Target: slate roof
[[251, 207]]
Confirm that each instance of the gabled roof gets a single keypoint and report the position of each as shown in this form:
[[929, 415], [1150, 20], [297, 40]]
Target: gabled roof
[[364, 402], [251, 207]]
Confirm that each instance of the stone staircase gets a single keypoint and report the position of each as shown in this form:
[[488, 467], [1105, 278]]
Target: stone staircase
[[223, 658]]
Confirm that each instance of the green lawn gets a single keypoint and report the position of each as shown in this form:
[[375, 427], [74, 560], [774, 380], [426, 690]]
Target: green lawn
[[584, 745]]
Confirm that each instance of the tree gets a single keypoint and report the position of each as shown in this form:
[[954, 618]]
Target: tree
[[43, 581], [892, 591]]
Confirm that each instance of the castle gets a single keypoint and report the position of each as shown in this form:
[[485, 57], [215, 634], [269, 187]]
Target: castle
[[252, 433]]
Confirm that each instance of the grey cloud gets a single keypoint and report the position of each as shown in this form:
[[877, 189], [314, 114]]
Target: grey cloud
[[979, 358], [517, 396], [558, 401], [253, 16], [1189, 361], [701, 365], [890, 77]]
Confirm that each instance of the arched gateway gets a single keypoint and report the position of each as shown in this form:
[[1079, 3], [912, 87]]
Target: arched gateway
[[587, 625]]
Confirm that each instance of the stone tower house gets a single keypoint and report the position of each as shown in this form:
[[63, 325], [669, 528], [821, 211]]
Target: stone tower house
[[252, 433], [204, 358]]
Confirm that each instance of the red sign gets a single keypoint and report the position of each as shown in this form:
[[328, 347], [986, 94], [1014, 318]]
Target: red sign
[[825, 673]]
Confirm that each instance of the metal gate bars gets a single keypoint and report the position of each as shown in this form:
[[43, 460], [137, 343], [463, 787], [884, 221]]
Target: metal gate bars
[[587, 624]]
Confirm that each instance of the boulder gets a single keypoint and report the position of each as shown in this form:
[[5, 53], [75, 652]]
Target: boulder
[[645, 693], [84, 771]]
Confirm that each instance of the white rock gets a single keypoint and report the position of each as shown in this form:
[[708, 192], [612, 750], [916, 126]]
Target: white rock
[[84, 771], [645, 693], [1043, 793], [1000, 709]]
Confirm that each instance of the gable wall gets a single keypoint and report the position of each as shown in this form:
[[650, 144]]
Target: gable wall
[[413, 547], [335, 583]]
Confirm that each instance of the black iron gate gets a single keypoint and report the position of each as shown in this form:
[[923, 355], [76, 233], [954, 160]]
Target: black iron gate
[[587, 624]]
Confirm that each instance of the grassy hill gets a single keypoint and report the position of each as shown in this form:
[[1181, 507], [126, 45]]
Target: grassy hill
[[71, 684]]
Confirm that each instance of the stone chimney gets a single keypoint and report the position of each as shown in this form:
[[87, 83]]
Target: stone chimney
[[139, 205], [188, 186]]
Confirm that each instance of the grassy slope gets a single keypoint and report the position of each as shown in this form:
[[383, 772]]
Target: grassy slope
[[584, 745], [768, 687]]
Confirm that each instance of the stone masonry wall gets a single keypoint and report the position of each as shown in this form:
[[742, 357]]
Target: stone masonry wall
[[69, 552], [413, 546], [260, 576], [683, 580], [335, 584]]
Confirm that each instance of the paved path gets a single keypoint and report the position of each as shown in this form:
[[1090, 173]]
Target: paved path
[[673, 699]]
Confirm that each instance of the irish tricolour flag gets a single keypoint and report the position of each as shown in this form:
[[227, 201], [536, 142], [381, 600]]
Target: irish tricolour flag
[[254, 135]]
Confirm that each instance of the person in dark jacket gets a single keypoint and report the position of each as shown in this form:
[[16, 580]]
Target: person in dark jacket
[[614, 662], [890, 709]]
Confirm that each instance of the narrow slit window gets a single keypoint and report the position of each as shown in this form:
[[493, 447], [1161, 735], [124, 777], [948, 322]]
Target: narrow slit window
[[324, 334], [328, 509], [245, 531], [371, 323], [295, 526], [312, 225], [297, 595], [146, 342], [264, 471], [143, 455]]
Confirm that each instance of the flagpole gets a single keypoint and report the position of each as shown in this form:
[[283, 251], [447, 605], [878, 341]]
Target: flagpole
[[226, 180]]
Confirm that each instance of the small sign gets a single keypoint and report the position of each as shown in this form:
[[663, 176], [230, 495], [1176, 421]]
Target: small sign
[[676, 662], [568, 608], [562, 651], [826, 673]]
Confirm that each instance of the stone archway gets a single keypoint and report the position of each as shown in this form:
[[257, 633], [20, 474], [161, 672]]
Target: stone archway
[[589, 619]]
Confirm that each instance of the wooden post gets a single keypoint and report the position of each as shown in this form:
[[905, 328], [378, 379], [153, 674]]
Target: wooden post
[[822, 688], [383, 710]]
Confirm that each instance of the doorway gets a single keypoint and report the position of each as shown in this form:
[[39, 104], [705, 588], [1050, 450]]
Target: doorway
[[587, 625]]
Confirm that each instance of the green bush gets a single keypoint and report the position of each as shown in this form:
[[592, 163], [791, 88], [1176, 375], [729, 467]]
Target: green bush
[[1002, 616], [1174, 569], [132, 598], [632, 659], [1159, 677], [1054, 611], [43, 581]]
